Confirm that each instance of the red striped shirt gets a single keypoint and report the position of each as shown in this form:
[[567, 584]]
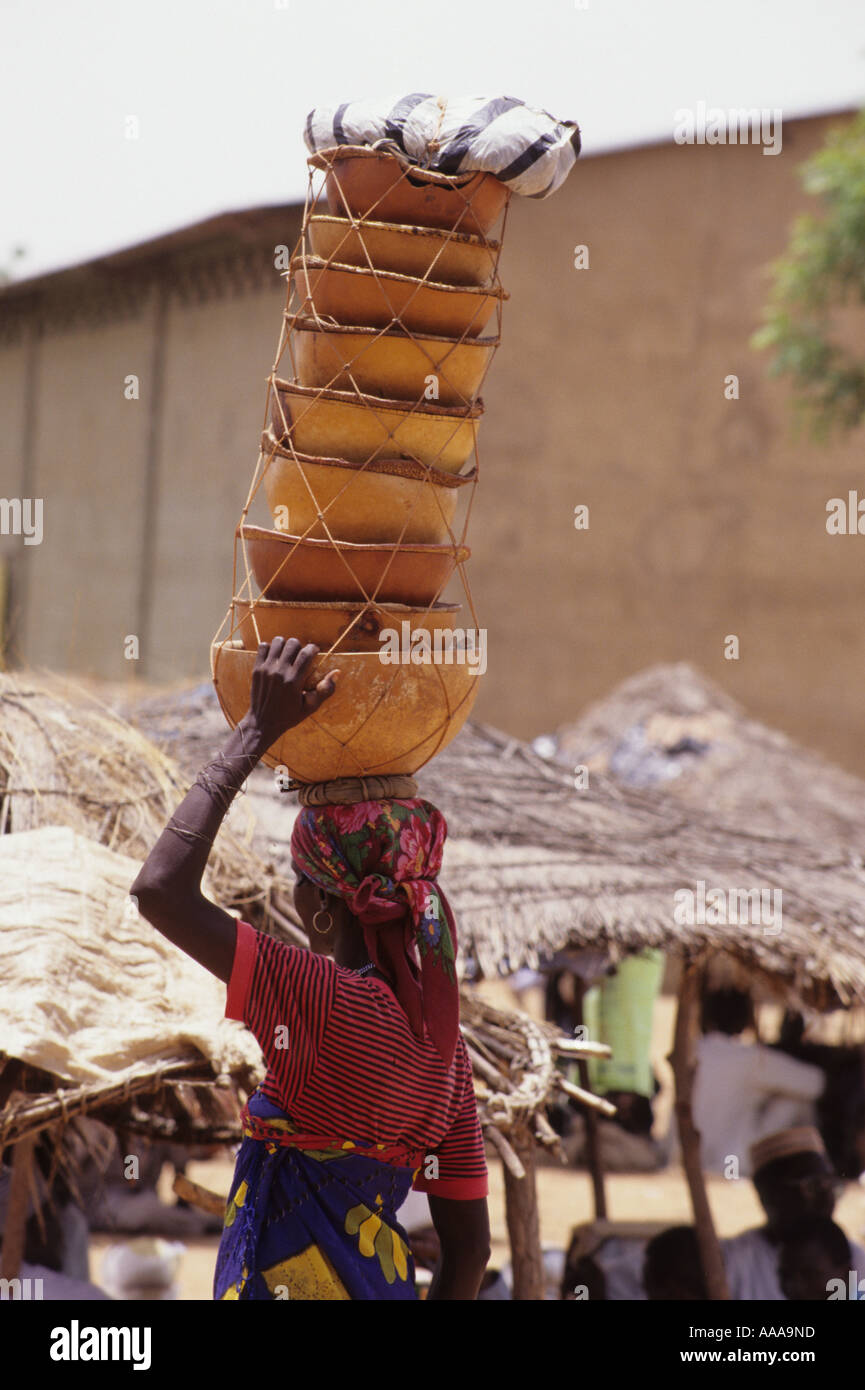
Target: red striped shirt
[[342, 1060]]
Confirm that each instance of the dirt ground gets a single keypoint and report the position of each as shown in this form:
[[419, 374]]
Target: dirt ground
[[564, 1194]]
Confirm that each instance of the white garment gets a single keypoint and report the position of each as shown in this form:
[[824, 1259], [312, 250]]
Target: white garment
[[744, 1091], [751, 1262], [524, 146]]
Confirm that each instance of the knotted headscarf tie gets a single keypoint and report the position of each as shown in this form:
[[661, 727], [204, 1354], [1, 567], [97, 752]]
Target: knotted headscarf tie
[[383, 859]]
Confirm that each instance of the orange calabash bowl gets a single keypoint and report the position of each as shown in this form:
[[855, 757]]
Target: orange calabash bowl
[[287, 567], [353, 294], [340, 625], [380, 718], [452, 258], [361, 428], [388, 362], [391, 501], [370, 183]]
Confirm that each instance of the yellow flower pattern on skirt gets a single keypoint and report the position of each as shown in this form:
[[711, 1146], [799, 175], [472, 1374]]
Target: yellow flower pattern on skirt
[[237, 1201], [309, 1275], [377, 1239]]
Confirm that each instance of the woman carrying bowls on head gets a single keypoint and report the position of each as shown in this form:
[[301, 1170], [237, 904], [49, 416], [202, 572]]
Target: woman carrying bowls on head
[[368, 1089]]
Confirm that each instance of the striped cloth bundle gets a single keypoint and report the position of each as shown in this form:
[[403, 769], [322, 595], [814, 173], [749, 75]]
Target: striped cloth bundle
[[526, 148]]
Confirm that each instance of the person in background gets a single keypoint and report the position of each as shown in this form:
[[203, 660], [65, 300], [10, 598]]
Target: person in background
[[841, 1107], [604, 1267], [744, 1090], [671, 1269], [814, 1260], [795, 1181]]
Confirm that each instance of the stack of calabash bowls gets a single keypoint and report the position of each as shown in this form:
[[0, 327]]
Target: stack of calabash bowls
[[374, 411]]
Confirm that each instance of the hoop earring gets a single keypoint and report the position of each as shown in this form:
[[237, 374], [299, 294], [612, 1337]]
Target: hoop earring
[[323, 931]]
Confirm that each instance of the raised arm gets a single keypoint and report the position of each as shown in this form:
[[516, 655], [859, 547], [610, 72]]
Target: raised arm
[[168, 888]]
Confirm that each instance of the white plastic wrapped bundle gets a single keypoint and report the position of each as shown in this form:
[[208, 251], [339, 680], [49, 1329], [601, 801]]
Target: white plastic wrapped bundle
[[528, 149]]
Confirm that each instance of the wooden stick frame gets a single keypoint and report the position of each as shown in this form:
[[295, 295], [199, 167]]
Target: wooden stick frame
[[683, 1060]]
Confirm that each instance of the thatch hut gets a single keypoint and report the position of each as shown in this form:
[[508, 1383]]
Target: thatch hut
[[95, 1022], [672, 727], [674, 731], [606, 865], [536, 865]]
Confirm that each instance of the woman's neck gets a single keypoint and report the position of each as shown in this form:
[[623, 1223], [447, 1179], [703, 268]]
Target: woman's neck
[[349, 949]]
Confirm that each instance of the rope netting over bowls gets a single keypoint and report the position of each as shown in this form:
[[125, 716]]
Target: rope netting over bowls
[[369, 462]]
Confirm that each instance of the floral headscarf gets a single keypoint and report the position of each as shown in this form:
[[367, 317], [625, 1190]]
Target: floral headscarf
[[382, 858]]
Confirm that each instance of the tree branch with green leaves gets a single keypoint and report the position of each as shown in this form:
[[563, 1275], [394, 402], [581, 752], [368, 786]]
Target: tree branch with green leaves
[[816, 281]]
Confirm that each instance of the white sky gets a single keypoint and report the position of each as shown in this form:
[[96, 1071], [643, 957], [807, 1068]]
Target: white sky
[[222, 88]]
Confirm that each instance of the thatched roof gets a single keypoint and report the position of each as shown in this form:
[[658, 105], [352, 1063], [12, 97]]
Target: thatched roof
[[548, 866], [93, 1015], [672, 727], [66, 758], [534, 865]]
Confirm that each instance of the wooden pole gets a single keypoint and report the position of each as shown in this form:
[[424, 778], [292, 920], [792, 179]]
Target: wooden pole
[[14, 1230], [683, 1060], [521, 1214], [198, 1196], [593, 1138]]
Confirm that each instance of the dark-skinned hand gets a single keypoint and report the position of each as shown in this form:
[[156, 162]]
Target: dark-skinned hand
[[278, 700]]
